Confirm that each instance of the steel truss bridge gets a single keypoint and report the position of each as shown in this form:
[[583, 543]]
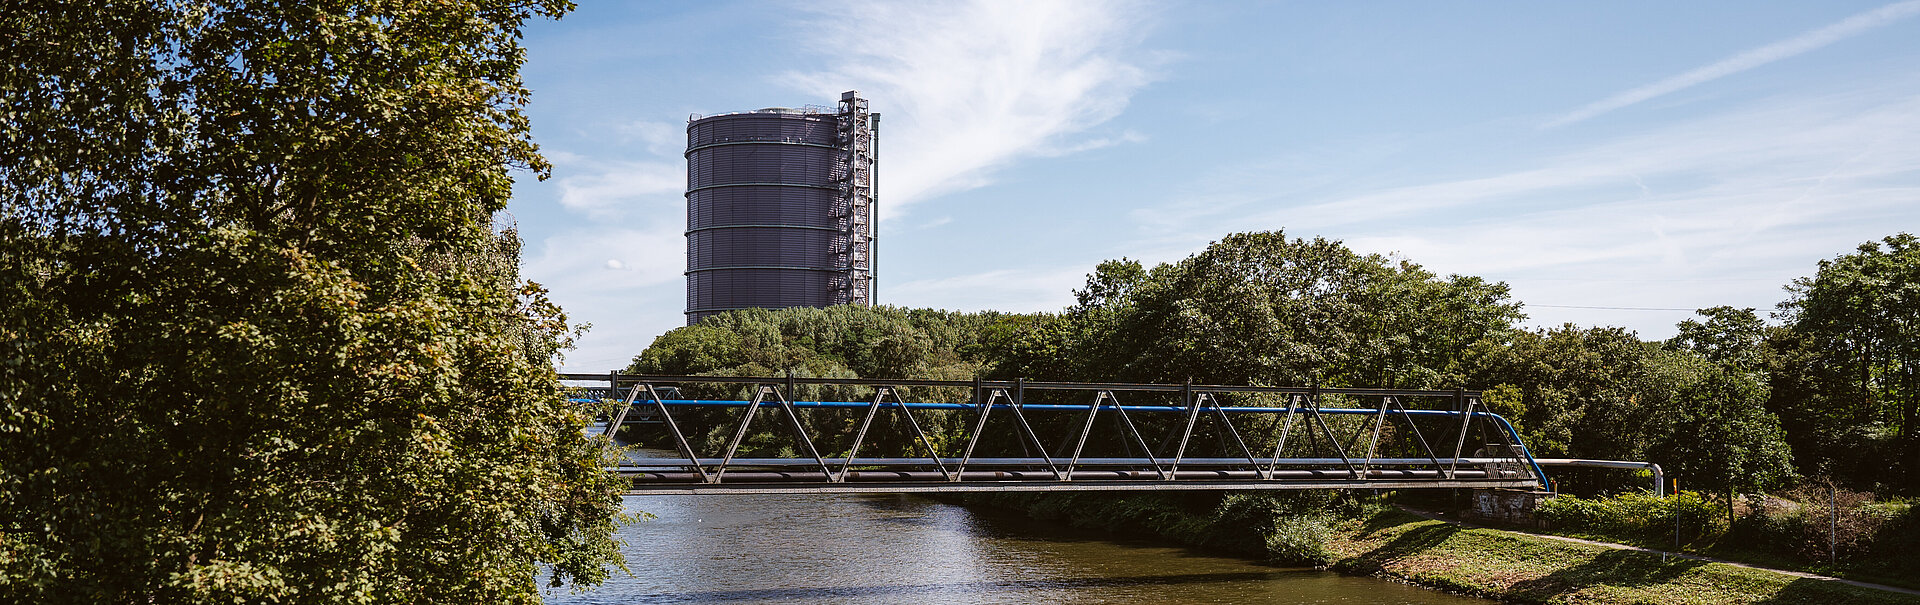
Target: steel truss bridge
[[1104, 436]]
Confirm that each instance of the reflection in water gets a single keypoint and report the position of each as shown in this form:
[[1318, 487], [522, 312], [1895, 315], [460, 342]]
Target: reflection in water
[[905, 549]]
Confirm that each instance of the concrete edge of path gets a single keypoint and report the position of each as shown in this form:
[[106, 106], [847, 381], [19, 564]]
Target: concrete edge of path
[[1798, 574]]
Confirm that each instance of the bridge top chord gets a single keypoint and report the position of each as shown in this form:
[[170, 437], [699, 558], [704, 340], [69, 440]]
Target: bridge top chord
[[619, 379]]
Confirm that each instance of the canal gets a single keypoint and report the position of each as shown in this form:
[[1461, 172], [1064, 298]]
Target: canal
[[910, 549]]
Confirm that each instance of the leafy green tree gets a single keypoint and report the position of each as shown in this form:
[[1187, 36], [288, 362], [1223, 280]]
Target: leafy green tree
[[846, 340], [1717, 432], [1724, 436], [258, 342], [1604, 393], [1735, 337], [696, 349], [1263, 308], [1575, 388], [1849, 443], [1858, 321], [1110, 284]]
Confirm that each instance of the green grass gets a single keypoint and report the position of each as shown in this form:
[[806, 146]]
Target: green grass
[[1863, 571], [1874, 539], [1533, 569], [1719, 544], [1365, 537]]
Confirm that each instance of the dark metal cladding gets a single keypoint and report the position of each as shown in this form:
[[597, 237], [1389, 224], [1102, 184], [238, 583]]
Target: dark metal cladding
[[779, 207]]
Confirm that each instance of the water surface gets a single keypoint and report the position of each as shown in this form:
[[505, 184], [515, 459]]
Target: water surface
[[910, 549]]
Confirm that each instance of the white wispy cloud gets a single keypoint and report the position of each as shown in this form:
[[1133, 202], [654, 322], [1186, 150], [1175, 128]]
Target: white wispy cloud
[[1811, 40], [1723, 210], [647, 170], [662, 139], [1773, 154], [611, 189], [965, 88]]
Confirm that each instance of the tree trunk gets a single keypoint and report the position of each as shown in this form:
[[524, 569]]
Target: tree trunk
[[1866, 375], [1909, 401]]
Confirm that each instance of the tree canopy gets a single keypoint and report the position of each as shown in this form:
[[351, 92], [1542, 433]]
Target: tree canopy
[[1604, 393], [839, 341], [1854, 344], [261, 343], [1265, 309]]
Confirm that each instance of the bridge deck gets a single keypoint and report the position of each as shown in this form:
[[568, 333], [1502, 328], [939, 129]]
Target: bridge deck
[[921, 487], [907, 475]]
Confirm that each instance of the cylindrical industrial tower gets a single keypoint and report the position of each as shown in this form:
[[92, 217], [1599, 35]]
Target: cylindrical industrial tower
[[780, 208]]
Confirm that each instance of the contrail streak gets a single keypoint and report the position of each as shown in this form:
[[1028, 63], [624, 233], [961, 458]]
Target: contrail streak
[[1846, 28]]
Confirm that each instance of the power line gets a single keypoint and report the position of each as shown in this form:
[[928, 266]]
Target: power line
[[1612, 308]]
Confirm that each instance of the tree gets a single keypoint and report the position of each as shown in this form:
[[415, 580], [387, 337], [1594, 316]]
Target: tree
[[1718, 434], [1725, 437], [1859, 316], [1576, 388], [1603, 393], [1730, 336], [258, 342], [843, 340], [1262, 308]]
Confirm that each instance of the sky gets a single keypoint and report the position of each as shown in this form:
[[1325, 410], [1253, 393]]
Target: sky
[[1616, 164]]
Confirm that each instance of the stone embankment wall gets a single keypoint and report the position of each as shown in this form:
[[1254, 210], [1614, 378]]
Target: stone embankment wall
[[1507, 506]]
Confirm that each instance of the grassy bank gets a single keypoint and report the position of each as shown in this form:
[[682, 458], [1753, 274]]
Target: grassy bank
[[1870, 540], [1363, 536], [1532, 569]]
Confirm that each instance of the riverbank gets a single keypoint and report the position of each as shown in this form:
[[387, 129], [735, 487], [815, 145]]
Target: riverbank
[[1365, 537], [1535, 569], [1657, 552]]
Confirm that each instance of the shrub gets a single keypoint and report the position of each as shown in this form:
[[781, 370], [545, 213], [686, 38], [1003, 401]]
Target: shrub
[[1300, 540], [1801, 523], [1635, 516], [1296, 526]]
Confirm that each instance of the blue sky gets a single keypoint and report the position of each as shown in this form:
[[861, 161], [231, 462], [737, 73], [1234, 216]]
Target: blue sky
[[1648, 155]]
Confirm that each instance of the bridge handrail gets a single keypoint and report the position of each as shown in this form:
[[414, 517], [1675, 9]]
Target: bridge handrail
[[1002, 384], [944, 405]]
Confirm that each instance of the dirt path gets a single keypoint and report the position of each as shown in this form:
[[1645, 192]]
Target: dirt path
[[1798, 574]]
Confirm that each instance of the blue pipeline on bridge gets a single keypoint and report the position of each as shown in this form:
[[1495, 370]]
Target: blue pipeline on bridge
[[943, 439]]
